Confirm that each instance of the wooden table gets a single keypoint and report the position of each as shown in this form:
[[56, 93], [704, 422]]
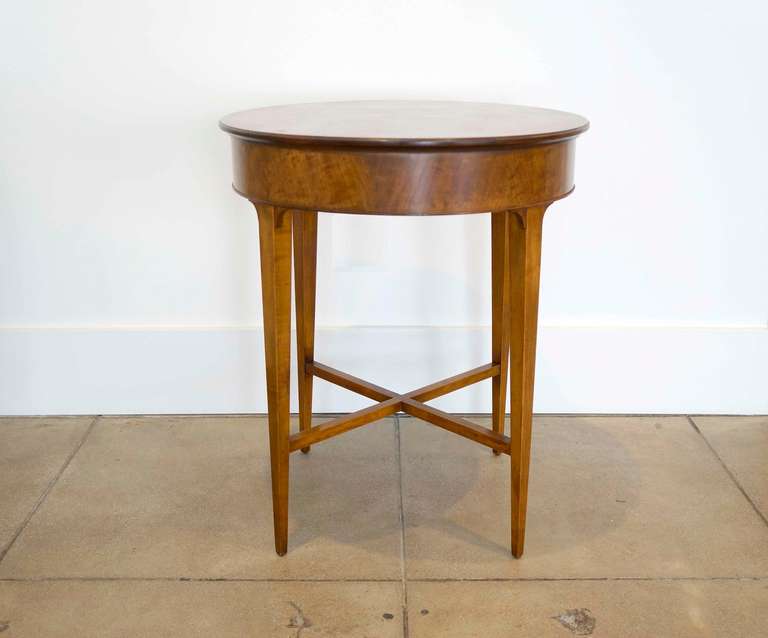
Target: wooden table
[[402, 158]]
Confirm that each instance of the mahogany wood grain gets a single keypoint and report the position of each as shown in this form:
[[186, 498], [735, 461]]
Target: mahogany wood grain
[[456, 382], [407, 124], [396, 182], [305, 265], [410, 402], [425, 393], [350, 382], [402, 158], [500, 310], [344, 423], [525, 262], [275, 249], [457, 425]]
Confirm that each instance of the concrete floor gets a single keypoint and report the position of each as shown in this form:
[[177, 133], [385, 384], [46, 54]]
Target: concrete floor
[[161, 526]]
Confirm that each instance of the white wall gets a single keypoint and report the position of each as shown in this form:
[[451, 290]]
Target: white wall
[[129, 269]]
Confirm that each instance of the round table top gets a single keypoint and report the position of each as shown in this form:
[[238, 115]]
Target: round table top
[[404, 124]]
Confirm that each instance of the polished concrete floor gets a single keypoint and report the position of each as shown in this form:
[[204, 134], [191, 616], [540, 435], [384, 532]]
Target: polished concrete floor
[[161, 526]]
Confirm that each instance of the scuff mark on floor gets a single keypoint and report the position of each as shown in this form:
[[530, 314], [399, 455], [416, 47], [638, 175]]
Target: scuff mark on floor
[[579, 621], [298, 621], [4, 624]]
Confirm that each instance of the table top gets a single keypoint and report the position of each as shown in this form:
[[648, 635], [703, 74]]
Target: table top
[[404, 124]]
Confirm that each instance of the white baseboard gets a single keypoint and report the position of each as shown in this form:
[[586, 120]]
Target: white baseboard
[[220, 370]]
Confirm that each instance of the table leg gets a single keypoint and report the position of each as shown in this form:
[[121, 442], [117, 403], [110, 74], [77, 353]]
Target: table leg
[[275, 245], [305, 263], [524, 266], [500, 315]]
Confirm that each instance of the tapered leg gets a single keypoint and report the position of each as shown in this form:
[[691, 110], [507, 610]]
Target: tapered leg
[[305, 263], [275, 244], [524, 259], [499, 315]]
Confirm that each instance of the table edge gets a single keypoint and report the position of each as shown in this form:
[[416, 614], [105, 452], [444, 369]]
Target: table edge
[[403, 144]]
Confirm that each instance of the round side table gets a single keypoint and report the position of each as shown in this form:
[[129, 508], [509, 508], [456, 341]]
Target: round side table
[[402, 158]]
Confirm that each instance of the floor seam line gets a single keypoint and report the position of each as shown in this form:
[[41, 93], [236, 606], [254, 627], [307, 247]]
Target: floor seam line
[[522, 579], [51, 484], [182, 579], [403, 571], [728, 471], [577, 579]]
